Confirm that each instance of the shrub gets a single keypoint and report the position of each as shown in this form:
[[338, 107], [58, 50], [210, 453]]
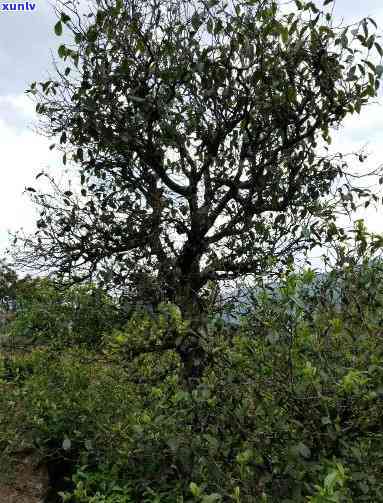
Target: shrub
[[289, 408], [77, 315]]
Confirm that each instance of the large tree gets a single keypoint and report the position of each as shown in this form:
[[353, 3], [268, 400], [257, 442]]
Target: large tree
[[198, 130]]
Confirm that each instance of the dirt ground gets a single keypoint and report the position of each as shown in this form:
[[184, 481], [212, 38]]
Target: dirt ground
[[27, 484]]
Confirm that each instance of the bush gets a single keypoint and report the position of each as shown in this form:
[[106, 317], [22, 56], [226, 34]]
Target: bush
[[77, 315], [289, 408]]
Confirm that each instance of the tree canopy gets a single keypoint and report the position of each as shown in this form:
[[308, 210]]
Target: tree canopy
[[199, 132]]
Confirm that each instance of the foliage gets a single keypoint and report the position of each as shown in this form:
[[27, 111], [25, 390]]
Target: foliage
[[196, 131], [289, 407], [44, 311], [8, 287], [8, 280]]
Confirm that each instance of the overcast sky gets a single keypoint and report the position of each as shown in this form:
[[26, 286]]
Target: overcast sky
[[27, 42]]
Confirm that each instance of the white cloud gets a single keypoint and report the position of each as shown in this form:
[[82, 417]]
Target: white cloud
[[19, 102], [23, 154], [364, 132]]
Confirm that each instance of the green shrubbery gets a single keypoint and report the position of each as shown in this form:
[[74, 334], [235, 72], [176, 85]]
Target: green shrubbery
[[45, 313], [289, 408]]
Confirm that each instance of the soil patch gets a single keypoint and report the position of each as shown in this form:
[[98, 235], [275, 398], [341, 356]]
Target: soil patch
[[28, 482]]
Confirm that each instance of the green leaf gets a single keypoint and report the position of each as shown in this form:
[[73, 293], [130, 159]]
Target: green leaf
[[195, 21], [313, 7], [141, 46], [373, 22], [303, 450], [291, 94], [64, 17], [331, 479], [62, 51], [327, 30], [379, 49], [58, 28], [194, 489], [67, 444], [91, 35], [65, 496], [88, 445], [285, 35]]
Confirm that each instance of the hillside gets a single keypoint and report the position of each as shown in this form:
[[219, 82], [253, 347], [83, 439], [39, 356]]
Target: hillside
[[289, 408]]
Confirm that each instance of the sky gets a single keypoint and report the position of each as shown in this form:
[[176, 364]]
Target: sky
[[27, 45]]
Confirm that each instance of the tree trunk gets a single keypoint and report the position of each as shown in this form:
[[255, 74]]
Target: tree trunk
[[193, 358], [191, 351]]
